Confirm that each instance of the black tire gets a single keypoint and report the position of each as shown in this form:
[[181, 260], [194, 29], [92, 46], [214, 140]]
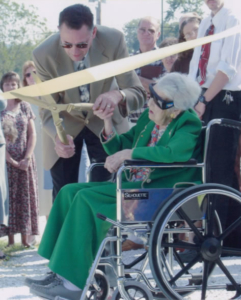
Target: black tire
[[208, 247], [136, 290], [102, 281]]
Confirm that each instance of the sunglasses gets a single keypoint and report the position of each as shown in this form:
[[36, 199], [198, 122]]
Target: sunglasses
[[29, 74], [79, 45], [163, 104]]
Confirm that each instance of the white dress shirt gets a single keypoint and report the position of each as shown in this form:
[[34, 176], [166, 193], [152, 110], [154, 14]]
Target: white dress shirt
[[225, 54]]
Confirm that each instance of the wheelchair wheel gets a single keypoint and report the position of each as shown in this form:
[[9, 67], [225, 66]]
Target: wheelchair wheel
[[208, 269], [135, 290], [102, 281]]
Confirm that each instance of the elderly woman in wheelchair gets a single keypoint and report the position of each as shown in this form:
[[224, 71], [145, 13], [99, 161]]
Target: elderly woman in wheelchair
[[167, 134]]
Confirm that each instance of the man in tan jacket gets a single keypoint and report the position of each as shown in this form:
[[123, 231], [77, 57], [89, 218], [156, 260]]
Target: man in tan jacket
[[79, 45]]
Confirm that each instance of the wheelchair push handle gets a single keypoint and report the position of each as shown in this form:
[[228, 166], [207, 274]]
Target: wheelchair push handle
[[100, 216]]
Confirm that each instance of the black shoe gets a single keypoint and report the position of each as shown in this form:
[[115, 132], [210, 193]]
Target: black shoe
[[56, 288], [47, 280]]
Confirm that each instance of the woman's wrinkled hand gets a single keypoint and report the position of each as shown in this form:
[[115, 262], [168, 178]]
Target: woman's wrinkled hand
[[104, 114], [114, 161]]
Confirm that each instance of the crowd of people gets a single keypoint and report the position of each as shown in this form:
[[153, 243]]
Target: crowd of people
[[146, 113]]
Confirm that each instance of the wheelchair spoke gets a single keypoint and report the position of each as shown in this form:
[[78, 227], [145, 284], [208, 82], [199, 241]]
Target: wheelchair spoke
[[211, 204], [183, 245], [229, 276], [186, 268], [230, 229], [179, 261], [231, 251], [185, 217], [205, 279]]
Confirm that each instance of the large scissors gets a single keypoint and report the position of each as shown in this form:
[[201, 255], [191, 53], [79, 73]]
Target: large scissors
[[48, 102]]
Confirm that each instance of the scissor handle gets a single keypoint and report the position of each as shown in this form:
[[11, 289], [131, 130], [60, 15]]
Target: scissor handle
[[61, 132]]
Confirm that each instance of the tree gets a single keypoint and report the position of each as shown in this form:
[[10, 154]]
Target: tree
[[183, 6], [170, 30], [21, 30], [130, 32]]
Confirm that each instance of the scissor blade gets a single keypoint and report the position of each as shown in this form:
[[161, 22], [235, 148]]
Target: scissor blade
[[31, 100], [49, 99]]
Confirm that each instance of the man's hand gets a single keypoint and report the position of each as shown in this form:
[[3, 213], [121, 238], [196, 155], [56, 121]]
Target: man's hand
[[107, 102], [200, 109], [114, 161], [65, 151]]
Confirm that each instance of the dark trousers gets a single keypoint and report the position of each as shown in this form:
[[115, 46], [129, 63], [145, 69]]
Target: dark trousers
[[66, 170], [222, 157]]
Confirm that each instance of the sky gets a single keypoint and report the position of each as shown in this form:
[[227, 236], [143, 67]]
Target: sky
[[115, 13]]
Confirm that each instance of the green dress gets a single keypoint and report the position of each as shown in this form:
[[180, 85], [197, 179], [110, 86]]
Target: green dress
[[73, 233]]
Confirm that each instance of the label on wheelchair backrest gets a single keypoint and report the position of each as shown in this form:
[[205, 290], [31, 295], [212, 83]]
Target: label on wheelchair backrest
[[136, 195], [141, 204]]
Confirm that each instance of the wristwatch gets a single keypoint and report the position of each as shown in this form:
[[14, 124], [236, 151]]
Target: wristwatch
[[123, 96], [202, 99]]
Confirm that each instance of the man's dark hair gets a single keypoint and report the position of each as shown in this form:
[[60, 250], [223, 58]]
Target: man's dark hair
[[75, 16]]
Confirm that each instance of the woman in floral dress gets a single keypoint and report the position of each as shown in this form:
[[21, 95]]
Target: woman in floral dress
[[22, 173]]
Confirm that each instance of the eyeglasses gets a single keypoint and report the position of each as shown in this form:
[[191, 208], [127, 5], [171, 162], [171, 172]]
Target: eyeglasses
[[163, 104], [143, 30], [79, 45], [29, 74]]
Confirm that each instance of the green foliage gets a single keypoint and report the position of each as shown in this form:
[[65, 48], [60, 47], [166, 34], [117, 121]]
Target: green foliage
[[170, 30], [21, 30], [130, 32], [183, 6]]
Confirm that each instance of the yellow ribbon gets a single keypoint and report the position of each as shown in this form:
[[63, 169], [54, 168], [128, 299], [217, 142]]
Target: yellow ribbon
[[115, 67]]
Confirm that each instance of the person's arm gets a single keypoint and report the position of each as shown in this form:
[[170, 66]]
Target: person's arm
[[128, 82], [11, 160], [64, 151], [111, 141], [227, 67], [31, 142], [216, 86]]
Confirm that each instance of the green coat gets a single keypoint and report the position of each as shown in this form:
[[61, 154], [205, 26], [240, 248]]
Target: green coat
[[73, 233], [177, 144]]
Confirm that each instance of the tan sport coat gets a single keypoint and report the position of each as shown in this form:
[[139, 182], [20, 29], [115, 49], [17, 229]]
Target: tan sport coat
[[52, 61]]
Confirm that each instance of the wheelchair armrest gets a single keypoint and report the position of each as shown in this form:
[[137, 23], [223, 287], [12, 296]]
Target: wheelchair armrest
[[231, 123], [143, 162]]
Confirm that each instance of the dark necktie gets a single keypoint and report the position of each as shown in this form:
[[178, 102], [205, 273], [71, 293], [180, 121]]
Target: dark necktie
[[203, 61], [83, 89]]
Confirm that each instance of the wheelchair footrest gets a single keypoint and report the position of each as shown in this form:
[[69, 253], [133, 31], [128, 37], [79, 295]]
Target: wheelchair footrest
[[231, 287], [196, 279]]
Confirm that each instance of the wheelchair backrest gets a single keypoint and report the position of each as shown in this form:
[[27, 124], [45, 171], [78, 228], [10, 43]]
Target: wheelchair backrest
[[142, 205], [220, 162]]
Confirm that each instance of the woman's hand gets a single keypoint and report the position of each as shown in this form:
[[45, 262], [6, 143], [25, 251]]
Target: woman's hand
[[104, 114], [24, 164], [114, 161]]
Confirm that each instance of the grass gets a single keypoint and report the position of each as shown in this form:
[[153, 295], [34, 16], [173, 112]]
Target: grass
[[9, 251]]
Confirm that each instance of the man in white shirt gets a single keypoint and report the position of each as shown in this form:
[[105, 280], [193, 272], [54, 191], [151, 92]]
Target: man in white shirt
[[218, 70]]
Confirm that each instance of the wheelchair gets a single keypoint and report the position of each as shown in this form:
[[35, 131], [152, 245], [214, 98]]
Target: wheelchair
[[156, 216]]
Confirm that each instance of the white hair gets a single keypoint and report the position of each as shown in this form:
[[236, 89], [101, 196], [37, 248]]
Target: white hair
[[180, 88]]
